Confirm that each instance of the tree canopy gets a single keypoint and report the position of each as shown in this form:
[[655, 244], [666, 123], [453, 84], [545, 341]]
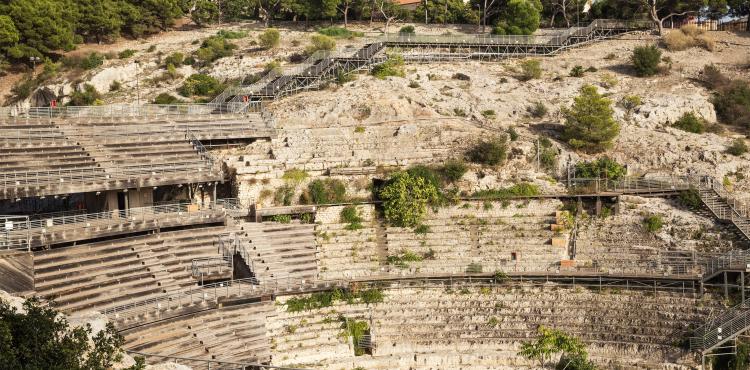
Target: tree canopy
[[589, 124], [40, 338]]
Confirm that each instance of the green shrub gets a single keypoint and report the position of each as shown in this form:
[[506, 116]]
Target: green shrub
[[414, 84], [630, 102], [339, 32], [326, 299], [201, 85], [295, 176], [690, 122], [422, 229], [489, 113], [608, 80], [350, 215], [522, 189], [738, 147], [537, 110], [405, 199], [231, 35], [453, 170], [589, 123], [342, 77], [512, 134], [732, 103], [284, 195], [320, 43], [214, 48], [519, 17], [428, 174], [87, 96], [393, 66], [577, 71], [691, 198], [125, 54], [402, 260], [547, 154], [282, 219], [269, 39], [530, 69], [408, 29], [92, 61], [603, 167], [176, 59], [166, 98], [23, 88], [489, 152], [653, 223], [646, 60], [326, 191]]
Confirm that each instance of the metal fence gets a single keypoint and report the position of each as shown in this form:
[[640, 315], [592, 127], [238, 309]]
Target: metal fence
[[206, 364], [130, 110]]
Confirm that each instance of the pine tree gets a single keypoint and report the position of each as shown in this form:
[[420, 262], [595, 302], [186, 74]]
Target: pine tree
[[589, 124]]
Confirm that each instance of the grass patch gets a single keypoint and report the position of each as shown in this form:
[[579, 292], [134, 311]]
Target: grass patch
[[339, 32], [522, 189]]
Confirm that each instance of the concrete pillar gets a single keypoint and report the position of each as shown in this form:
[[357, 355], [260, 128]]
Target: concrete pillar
[[598, 206]]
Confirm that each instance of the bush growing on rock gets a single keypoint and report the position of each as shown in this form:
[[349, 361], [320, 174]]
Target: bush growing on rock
[[688, 36], [630, 102], [453, 170], [490, 152], [269, 39], [408, 29], [393, 66], [350, 215], [405, 199], [577, 71], [320, 43], [646, 60], [214, 48], [176, 59], [653, 223], [200, 84], [537, 110], [603, 167], [732, 103], [204, 12], [165, 98], [589, 124], [738, 147], [325, 192], [339, 32], [87, 96], [530, 69], [690, 122], [125, 54]]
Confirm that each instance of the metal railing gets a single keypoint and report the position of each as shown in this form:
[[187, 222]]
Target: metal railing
[[206, 364], [721, 328], [23, 231], [733, 260], [126, 110], [629, 184]]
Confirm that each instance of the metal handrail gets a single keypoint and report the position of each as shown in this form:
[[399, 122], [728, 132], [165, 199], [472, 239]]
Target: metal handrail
[[209, 363], [125, 110]]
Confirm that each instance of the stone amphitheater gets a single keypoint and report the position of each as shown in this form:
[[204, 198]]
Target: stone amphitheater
[[185, 227]]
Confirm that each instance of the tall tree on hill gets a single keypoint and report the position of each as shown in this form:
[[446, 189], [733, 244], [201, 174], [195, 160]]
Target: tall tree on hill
[[98, 20], [662, 10], [44, 26], [343, 6], [204, 12]]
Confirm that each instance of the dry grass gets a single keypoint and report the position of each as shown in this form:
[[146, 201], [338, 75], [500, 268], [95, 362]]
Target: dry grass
[[689, 36]]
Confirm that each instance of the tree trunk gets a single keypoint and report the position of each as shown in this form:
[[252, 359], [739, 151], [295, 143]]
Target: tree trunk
[[655, 17], [372, 11], [346, 16], [747, 25]]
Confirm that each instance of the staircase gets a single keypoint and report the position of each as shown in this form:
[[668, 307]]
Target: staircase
[[721, 204], [325, 66], [721, 329]]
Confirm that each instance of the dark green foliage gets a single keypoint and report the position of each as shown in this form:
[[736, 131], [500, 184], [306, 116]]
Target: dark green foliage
[[356, 330], [284, 195], [350, 216], [691, 123], [691, 198], [201, 85], [92, 61], [422, 229], [402, 260], [282, 219], [519, 17], [646, 60], [326, 191], [547, 154], [603, 167], [231, 35], [393, 66], [204, 12], [428, 174], [453, 170], [575, 362], [522, 189], [23, 88], [176, 59], [408, 29], [513, 134], [405, 198], [269, 39], [166, 98], [490, 152], [537, 110], [738, 147], [327, 299], [577, 71], [653, 223], [88, 96], [459, 11], [339, 32], [125, 54], [732, 103], [320, 43], [589, 123], [214, 48], [41, 339]]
